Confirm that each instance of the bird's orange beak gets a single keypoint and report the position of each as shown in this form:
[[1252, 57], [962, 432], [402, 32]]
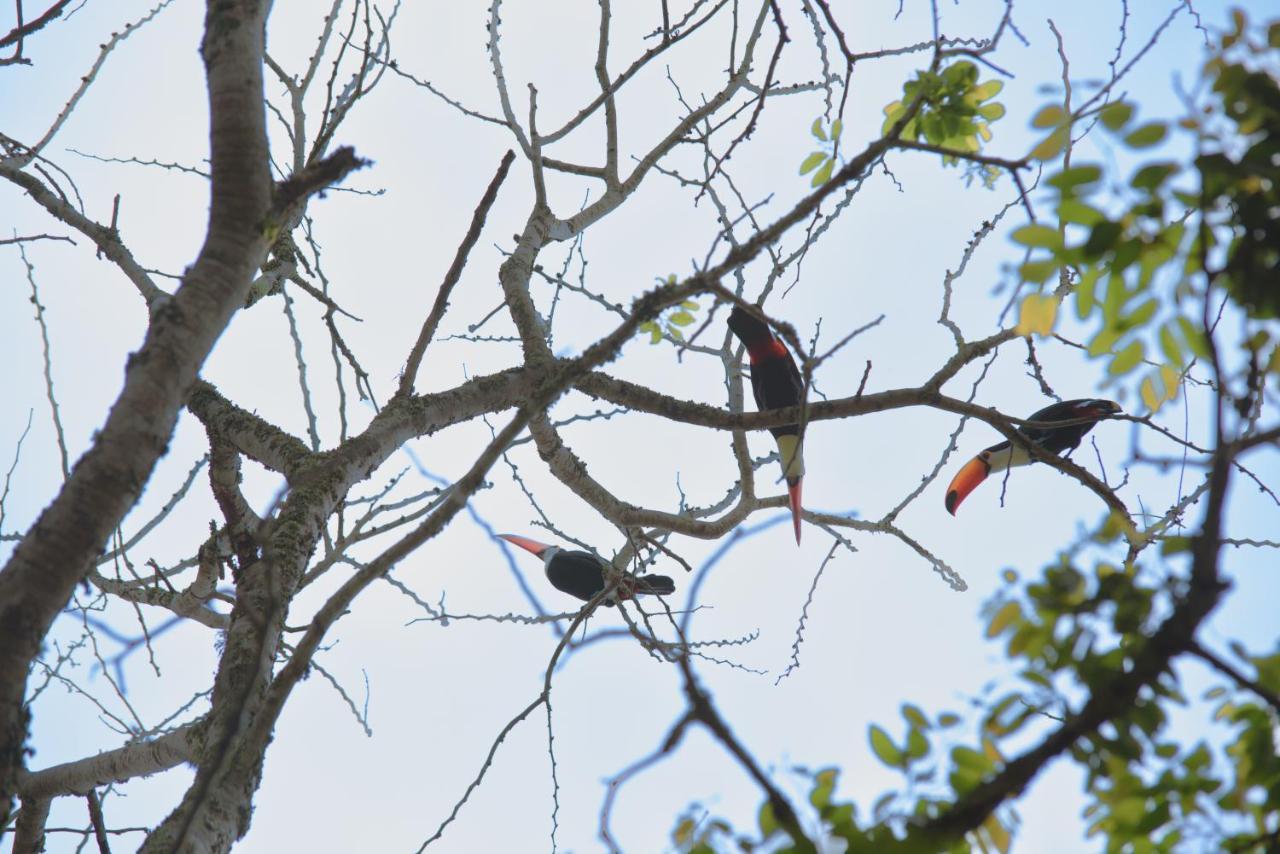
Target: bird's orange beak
[[531, 546], [793, 495], [966, 480]]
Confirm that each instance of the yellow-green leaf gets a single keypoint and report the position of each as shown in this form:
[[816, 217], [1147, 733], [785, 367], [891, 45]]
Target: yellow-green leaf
[[817, 131], [987, 90], [1037, 235], [990, 750], [1037, 315], [991, 112], [681, 318], [1051, 146], [1074, 210], [1169, 346], [1127, 359], [1009, 612], [1147, 135], [1116, 116], [884, 748], [836, 127], [1172, 381], [823, 175], [1037, 271], [1150, 396], [1049, 117], [1085, 288], [998, 834], [811, 162]]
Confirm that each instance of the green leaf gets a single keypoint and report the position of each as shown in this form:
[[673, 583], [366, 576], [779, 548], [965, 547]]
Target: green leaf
[[824, 783], [1038, 235], [811, 162], [1103, 342], [836, 127], [1127, 359], [816, 129], [986, 91], [1146, 136], [767, 821], [917, 744], [1151, 176], [681, 318], [1194, 336], [1102, 238], [1076, 211], [1169, 345], [914, 716], [991, 112], [948, 719], [1076, 176], [1085, 299], [823, 175], [1140, 315], [1037, 271], [1116, 116], [1051, 146], [884, 748], [1049, 117]]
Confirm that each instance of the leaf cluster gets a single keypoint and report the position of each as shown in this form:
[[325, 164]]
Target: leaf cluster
[[1142, 272], [956, 110]]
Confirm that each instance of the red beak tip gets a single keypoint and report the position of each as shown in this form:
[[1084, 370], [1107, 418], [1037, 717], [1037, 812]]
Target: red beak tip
[[793, 493]]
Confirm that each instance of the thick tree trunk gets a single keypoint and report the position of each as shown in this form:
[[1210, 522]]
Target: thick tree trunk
[[58, 551]]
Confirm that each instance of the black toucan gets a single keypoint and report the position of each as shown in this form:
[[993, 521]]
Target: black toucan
[[581, 574], [776, 383], [1079, 415]]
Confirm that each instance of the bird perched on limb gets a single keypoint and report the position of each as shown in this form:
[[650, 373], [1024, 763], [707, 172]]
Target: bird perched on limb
[[1056, 429], [776, 384], [583, 575]]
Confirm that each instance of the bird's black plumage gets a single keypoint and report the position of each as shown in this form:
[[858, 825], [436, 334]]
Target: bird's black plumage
[[775, 380], [581, 574], [1086, 412], [776, 384]]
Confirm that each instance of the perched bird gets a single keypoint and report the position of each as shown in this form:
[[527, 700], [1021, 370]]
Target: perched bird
[[1078, 416], [581, 574], [776, 383]]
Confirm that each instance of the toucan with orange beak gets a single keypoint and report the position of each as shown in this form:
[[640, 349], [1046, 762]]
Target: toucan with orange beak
[[1077, 417], [776, 384], [582, 574]]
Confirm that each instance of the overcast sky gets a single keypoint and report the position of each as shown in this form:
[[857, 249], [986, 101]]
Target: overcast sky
[[884, 626]]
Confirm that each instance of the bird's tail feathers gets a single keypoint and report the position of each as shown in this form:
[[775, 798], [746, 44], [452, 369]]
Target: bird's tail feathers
[[658, 585]]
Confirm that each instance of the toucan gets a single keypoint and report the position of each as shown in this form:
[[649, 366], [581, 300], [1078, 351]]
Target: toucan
[[582, 574], [776, 383], [1079, 417]]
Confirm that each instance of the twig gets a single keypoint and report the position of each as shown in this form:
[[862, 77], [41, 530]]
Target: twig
[[451, 277]]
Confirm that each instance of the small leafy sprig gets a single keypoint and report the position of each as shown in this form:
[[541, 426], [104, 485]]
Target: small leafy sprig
[[824, 159], [671, 320]]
